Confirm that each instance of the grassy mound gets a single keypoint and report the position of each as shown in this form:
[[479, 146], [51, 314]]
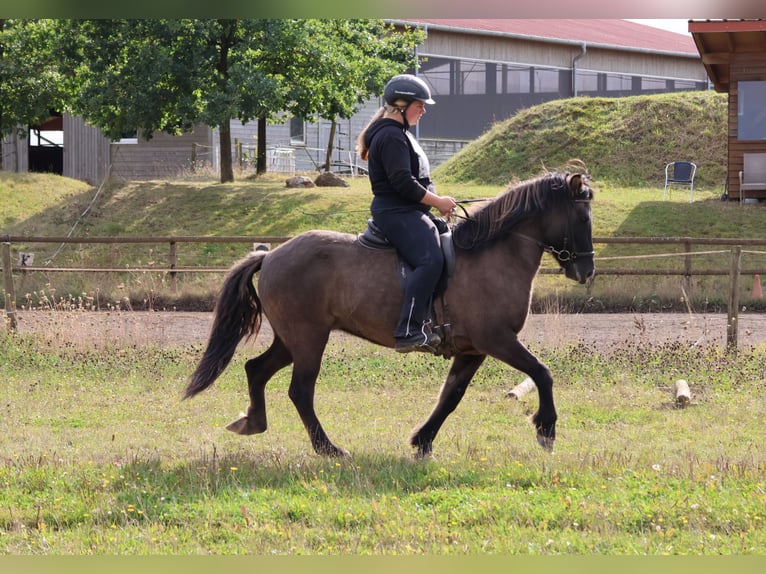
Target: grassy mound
[[627, 141]]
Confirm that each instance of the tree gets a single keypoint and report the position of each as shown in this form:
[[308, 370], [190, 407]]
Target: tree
[[168, 75], [29, 77], [345, 63]]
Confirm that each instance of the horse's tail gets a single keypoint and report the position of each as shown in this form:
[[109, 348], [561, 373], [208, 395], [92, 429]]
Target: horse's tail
[[238, 315]]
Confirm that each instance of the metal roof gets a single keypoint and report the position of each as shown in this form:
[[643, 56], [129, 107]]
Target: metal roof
[[607, 33], [718, 40]]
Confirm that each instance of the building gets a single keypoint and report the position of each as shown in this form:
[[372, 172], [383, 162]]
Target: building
[[733, 53], [480, 70]]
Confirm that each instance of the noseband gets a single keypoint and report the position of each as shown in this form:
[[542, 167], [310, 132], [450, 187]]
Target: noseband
[[562, 255]]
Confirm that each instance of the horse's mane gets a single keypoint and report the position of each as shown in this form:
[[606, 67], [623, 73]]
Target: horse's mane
[[519, 202]]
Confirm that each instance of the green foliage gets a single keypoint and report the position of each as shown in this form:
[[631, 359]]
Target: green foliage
[[30, 80], [626, 141]]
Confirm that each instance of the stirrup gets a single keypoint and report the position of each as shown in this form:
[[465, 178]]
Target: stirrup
[[418, 342]]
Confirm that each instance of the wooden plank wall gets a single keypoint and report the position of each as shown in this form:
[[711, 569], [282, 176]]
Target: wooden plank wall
[[164, 156], [86, 151], [742, 67]]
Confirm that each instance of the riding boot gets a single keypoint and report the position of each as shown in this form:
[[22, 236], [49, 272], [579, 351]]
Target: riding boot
[[418, 340]]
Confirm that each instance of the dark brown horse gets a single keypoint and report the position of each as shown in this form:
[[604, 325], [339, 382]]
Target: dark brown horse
[[320, 281]]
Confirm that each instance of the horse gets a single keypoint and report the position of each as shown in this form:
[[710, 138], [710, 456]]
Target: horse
[[320, 281]]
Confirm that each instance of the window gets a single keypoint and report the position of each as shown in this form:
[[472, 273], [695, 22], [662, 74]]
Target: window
[[472, 78], [297, 131], [586, 81], [751, 111], [653, 84], [618, 82], [546, 81], [436, 73], [512, 80]]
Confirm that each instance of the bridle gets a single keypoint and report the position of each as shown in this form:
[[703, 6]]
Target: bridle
[[562, 255]]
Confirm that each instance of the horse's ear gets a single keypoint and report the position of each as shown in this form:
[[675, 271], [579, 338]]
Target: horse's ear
[[574, 182], [577, 185]]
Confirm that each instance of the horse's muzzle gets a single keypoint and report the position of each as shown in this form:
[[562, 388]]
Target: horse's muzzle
[[580, 270]]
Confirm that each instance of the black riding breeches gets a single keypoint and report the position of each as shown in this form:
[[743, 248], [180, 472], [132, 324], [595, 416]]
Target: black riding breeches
[[416, 238]]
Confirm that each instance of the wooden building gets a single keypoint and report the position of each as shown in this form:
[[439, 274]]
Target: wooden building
[[733, 53]]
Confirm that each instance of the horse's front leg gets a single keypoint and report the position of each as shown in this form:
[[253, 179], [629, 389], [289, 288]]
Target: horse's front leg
[[519, 357], [460, 374]]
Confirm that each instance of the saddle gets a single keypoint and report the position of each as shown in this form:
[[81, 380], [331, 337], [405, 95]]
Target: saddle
[[373, 238]]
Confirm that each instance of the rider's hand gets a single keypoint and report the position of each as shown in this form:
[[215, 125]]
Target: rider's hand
[[446, 206]]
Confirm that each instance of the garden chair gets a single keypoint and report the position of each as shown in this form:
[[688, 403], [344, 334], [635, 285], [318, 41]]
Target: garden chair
[[680, 173]]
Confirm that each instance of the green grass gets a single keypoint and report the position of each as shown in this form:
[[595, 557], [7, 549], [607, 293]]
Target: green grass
[[100, 456]]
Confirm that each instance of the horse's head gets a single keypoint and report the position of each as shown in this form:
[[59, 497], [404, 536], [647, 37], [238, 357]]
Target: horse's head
[[568, 231]]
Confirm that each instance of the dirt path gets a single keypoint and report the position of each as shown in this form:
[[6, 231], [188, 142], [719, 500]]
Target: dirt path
[[181, 328]]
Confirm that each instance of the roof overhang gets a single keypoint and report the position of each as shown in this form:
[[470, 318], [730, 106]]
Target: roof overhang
[[719, 41]]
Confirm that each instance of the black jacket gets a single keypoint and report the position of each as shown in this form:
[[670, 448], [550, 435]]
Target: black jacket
[[394, 166]]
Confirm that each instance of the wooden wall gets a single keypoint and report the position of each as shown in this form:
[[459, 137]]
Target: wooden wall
[[86, 151], [164, 156], [742, 67]]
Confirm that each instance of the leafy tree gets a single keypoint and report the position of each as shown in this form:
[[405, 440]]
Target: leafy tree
[[29, 77], [168, 75], [342, 63]]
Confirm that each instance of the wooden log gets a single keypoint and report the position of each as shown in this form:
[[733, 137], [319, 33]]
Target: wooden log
[[521, 389], [682, 393]]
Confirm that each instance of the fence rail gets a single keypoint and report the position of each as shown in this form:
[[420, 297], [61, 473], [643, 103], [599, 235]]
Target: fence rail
[[733, 269]]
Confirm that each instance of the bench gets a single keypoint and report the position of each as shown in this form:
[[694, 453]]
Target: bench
[[753, 174]]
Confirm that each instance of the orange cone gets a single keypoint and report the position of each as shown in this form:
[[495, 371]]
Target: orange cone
[[757, 293]]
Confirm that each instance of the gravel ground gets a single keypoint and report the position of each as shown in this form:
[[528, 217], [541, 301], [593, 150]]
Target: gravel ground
[[169, 329]]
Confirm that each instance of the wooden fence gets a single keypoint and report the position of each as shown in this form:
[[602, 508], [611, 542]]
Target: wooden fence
[[734, 248]]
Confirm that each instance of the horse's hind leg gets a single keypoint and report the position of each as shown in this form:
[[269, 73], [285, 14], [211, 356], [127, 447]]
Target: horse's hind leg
[[259, 371], [460, 374], [307, 363]]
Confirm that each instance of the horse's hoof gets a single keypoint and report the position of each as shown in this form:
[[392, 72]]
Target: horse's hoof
[[334, 452], [238, 426], [423, 455], [545, 442], [244, 426]]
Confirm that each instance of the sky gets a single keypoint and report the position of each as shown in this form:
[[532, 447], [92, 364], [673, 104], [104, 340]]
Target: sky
[[679, 26]]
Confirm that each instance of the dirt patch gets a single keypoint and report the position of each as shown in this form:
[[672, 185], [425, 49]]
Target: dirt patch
[[174, 329]]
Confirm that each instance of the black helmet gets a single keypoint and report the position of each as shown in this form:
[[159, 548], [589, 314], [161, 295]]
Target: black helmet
[[407, 87]]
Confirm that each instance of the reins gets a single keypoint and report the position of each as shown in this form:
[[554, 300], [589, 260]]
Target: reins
[[465, 211]]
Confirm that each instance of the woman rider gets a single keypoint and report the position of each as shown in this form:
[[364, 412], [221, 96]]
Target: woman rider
[[403, 195]]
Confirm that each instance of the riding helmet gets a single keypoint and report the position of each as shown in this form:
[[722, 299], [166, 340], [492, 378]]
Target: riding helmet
[[407, 87]]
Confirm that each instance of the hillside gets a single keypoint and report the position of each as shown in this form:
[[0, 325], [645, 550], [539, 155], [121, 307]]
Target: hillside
[[626, 141]]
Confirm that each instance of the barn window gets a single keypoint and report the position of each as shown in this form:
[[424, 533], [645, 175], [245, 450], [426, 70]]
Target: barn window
[[751, 112]]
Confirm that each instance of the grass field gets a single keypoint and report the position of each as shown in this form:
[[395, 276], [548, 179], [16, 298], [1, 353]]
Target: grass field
[[100, 456]]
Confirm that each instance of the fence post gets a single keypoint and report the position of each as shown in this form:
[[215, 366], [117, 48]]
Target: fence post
[[194, 157], [173, 264], [688, 265], [732, 322], [10, 292]]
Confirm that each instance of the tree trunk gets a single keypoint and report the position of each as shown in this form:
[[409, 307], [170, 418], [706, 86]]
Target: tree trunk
[[227, 173], [260, 163], [330, 145]]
